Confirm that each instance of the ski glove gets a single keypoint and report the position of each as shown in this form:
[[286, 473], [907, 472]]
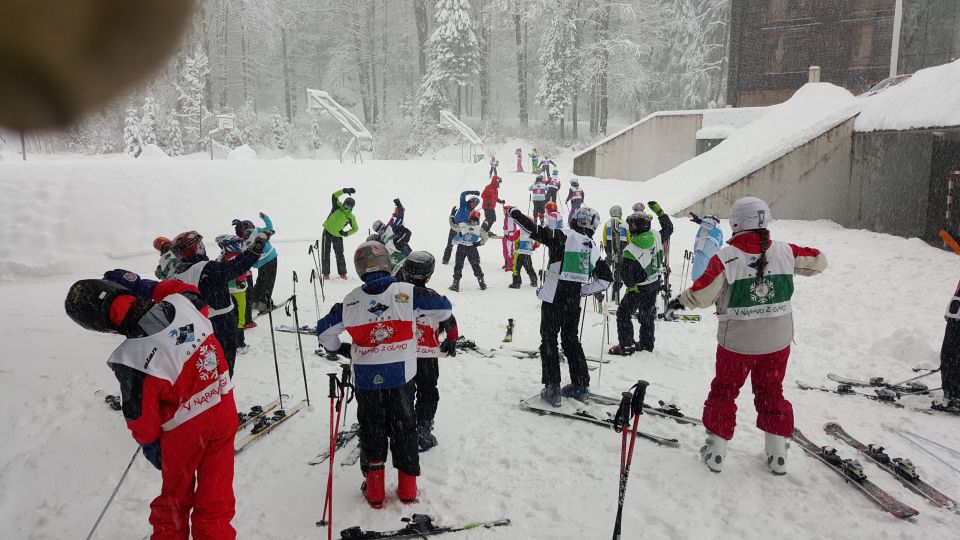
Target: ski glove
[[674, 305], [449, 347], [260, 242], [132, 282], [695, 218], [396, 202], [655, 207], [152, 453], [349, 190]]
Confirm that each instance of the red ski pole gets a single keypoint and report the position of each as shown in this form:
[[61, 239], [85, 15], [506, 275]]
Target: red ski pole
[[636, 407], [327, 501]]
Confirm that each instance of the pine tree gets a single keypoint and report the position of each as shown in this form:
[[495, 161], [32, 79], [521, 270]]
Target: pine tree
[[279, 129], [249, 125], [316, 134], [558, 60], [191, 90], [149, 121], [455, 54], [172, 135], [131, 133]]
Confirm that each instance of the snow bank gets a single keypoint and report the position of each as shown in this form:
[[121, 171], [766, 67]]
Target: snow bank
[[930, 98], [721, 123], [242, 153], [152, 152], [814, 108]]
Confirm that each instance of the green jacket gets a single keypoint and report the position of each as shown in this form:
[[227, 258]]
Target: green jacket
[[339, 218]]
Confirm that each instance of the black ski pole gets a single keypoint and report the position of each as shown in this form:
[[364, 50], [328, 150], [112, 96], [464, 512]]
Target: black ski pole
[[313, 281], [114, 494], [583, 319], [636, 406], [273, 342], [296, 322], [314, 251]]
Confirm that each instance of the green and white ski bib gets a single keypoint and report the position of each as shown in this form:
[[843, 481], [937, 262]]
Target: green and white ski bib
[[580, 255], [647, 250], [749, 299]]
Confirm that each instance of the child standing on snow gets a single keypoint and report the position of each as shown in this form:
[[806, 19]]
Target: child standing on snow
[[950, 358], [509, 228], [523, 250], [575, 196], [493, 167], [231, 247], [335, 229], [469, 236], [751, 281], [534, 160], [551, 216], [519, 160], [708, 241], [538, 194], [615, 238]]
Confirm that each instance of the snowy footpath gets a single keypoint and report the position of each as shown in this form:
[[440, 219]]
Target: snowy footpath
[[877, 311]]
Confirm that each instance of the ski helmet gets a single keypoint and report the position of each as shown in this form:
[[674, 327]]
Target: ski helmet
[[539, 178], [550, 206], [373, 237], [639, 207], [574, 182], [229, 243], [371, 257], [419, 266], [474, 216], [555, 173], [188, 244], [161, 244], [638, 223], [88, 303], [473, 201], [378, 225], [616, 211], [586, 219], [749, 213], [349, 203]]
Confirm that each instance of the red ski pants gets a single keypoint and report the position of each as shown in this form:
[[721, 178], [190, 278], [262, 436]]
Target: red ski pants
[[197, 459], [774, 413]]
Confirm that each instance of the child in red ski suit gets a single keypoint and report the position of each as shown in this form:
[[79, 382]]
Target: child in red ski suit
[[751, 281]]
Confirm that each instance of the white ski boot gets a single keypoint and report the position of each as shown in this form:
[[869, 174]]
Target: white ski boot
[[776, 452], [714, 452]]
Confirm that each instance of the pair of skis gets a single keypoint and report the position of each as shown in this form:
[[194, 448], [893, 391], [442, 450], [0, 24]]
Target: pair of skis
[[344, 438], [264, 423], [852, 471], [419, 526]]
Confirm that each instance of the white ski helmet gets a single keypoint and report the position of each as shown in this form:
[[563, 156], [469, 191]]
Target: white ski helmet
[[749, 213], [616, 211], [586, 218]]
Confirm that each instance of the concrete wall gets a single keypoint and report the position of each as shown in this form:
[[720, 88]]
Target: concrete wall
[[811, 182], [648, 149]]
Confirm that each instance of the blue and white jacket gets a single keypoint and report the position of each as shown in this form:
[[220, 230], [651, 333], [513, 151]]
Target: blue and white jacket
[[269, 253]]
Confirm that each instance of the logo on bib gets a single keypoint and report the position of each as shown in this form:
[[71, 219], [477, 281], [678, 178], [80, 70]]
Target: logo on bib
[[378, 379], [762, 292], [377, 308], [381, 333], [207, 363], [402, 298], [183, 334]]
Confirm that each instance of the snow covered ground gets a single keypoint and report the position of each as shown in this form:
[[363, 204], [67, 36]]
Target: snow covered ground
[[876, 311]]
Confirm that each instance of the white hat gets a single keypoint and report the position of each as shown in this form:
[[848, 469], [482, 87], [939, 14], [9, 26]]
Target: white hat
[[749, 213]]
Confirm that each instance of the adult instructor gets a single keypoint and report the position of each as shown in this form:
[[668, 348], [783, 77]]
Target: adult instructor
[[334, 230]]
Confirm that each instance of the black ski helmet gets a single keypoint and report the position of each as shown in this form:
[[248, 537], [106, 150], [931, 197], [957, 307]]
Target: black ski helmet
[[88, 303], [349, 203], [638, 223], [419, 266]]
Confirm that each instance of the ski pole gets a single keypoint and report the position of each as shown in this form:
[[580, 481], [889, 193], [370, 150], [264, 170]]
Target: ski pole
[[636, 406], [114, 494], [314, 251], [273, 342], [296, 322], [604, 333], [583, 319], [313, 281], [333, 445], [927, 374]]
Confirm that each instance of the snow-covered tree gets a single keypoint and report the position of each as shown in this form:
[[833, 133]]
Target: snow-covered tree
[[558, 54], [249, 125], [150, 120], [454, 52], [316, 134], [279, 129], [191, 97], [133, 142], [171, 135]]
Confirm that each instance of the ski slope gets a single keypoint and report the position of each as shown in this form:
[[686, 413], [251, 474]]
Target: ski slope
[[876, 311]]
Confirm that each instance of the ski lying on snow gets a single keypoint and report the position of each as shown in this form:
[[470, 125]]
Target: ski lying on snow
[[113, 401], [536, 404], [881, 395], [532, 353], [266, 424], [902, 469], [678, 317], [665, 410], [290, 329], [352, 457], [256, 412], [331, 356], [418, 526], [263, 312], [469, 345], [343, 438], [879, 382], [851, 470]]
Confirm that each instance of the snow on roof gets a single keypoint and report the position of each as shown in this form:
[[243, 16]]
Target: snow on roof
[[633, 125], [929, 99], [721, 123], [814, 109]]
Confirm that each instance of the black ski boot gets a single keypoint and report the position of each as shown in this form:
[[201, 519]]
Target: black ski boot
[[621, 350], [483, 284], [456, 286], [425, 438], [576, 391], [516, 282], [551, 394]]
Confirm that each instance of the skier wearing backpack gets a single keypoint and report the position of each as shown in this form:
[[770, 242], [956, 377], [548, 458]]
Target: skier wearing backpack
[[381, 317], [192, 446], [640, 271], [417, 269], [751, 281], [574, 270], [335, 229], [469, 236]]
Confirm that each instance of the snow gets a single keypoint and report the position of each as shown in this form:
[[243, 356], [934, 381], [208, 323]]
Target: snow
[[63, 450], [152, 152], [929, 99], [242, 153], [813, 109], [721, 123]]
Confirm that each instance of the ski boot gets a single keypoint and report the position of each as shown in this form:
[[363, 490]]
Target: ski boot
[[949, 405], [576, 391], [326, 277], [425, 438], [343, 277], [714, 452], [483, 284], [406, 487], [551, 394], [372, 486], [775, 449], [243, 349], [533, 281], [516, 282], [250, 325], [455, 287], [619, 350]]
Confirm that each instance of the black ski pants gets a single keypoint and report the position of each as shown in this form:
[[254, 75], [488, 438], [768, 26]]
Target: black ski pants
[[562, 317], [489, 218], [449, 249], [950, 360], [336, 242], [539, 209], [428, 373], [266, 279], [248, 312], [551, 194], [642, 302], [526, 263], [469, 253], [387, 419]]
